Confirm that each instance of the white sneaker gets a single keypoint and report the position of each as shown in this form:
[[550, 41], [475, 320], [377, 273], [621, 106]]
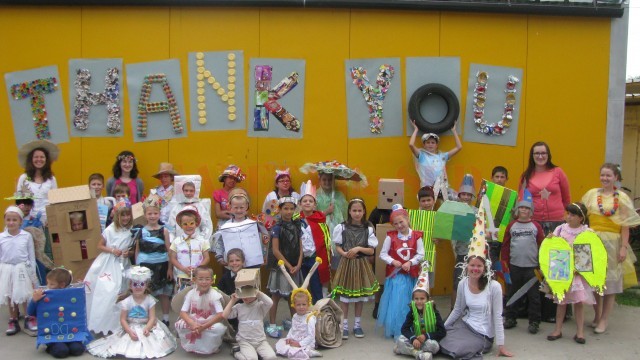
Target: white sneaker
[[315, 353]]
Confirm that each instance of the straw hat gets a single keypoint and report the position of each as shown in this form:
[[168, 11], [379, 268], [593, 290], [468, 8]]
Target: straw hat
[[165, 168], [25, 149]]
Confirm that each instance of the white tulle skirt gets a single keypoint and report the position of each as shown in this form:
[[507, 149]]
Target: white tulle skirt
[[159, 343], [17, 283]]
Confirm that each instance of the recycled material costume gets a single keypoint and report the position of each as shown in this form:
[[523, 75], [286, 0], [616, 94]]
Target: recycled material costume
[[609, 230], [201, 308], [159, 343], [289, 234], [153, 255], [354, 279]]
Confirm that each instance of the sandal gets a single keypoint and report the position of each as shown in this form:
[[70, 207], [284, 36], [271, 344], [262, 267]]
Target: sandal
[[579, 340], [554, 337], [599, 331]]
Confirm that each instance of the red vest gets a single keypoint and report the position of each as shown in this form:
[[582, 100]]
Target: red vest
[[404, 251]]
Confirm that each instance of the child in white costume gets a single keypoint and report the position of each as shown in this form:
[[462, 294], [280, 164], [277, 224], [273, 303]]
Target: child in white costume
[[141, 335], [189, 250], [105, 279], [17, 269], [187, 192], [251, 337], [300, 342], [200, 327]]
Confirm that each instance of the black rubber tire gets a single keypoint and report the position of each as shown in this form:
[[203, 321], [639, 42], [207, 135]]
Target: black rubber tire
[[453, 108]]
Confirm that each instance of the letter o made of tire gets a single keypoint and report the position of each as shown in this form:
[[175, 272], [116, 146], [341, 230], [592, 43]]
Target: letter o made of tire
[[453, 108]]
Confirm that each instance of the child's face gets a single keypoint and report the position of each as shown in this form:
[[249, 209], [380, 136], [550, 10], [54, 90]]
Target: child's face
[[499, 178], [204, 279], [189, 191], [126, 165], [401, 224], [138, 287], [152, 214], [307, 203], [12, 221], [235, 263], [286, 211], [420, 298], [524, 213], [427, 203], [229, 182], [26, 208], [465, 197], [125, 218], [356, 212], [326, 182], [77, 224], [283, 184], [431, 145], [120, 196], [301, 304], [249, 300], [165, 179], [96, 185], [52, 284], [188, 224], [572, 220], [238, 208]]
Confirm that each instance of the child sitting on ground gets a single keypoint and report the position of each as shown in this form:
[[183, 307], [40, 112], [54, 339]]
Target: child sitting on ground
[[252, 341], [300, 342], [58, 278], [423, 327], [200, 327]]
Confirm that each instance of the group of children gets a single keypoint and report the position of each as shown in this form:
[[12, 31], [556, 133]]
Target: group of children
[[172, 251]]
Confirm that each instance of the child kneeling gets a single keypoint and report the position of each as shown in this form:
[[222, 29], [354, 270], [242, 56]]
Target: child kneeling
[[200, 327], [423, 327], [251, 337]]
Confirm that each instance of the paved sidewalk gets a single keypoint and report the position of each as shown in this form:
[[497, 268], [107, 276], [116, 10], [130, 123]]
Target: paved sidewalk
[[622, 341]]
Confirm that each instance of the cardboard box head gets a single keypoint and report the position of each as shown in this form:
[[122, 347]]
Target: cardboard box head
[[137, 212], [390, 192], [247, 283], [74, 227]]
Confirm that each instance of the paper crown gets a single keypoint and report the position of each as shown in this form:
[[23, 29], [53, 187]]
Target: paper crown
[[153, 200], [305, 284], [478, 242], [281, 173], [288, 199], [527, 200], [397, 210], [307, 188], [123, 203], [232, 171], [423, 278], [468, 185], [189, 209], [138, 273]]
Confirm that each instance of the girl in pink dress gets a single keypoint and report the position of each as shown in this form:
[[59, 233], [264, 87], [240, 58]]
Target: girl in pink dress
[[580, 292]]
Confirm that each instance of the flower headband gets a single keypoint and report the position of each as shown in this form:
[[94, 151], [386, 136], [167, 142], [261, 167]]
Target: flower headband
[[126, 157]]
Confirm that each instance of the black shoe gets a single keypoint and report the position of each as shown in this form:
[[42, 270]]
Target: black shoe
[[510, 323], [375, 310], [166, 322], [534, 326], [550, 320]]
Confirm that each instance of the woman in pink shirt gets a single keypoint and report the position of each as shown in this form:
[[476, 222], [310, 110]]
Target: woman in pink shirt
[[549, 188]]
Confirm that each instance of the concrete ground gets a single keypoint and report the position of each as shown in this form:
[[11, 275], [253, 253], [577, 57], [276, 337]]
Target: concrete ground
[[621, 341]]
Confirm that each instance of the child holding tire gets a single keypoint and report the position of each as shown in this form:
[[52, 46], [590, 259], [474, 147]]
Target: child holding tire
[[430, 162]]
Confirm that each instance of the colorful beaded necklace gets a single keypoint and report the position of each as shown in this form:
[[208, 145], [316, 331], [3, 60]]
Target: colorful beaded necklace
[[615, 203]]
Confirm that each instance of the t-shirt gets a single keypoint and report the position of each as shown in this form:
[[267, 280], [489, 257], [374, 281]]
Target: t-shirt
[[430, 166], [137, 310], [250, 316], [188, 252], [521, 243], [221, 197]]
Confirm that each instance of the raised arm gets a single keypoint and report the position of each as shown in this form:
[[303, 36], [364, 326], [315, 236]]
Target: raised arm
[[458, 147], [414, 150]]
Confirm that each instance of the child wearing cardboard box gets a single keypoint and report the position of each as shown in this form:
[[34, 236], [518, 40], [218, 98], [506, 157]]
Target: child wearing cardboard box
[[252, 340], [187, 193]]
